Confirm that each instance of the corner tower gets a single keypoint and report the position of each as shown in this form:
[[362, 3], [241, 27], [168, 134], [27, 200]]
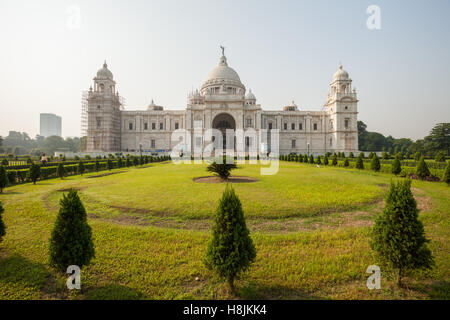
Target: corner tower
[[342, 107], [103, 113]]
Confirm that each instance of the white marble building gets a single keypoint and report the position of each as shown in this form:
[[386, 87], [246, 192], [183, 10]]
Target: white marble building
[[222, 103]]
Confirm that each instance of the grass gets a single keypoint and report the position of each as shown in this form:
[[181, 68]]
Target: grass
[[150, 226]]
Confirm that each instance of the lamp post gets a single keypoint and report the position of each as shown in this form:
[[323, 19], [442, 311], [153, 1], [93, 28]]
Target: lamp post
[[308, 147], [140, 149]]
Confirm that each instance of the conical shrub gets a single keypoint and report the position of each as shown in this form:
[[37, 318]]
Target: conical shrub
[[230, 250], [398, 236], [71, 238]]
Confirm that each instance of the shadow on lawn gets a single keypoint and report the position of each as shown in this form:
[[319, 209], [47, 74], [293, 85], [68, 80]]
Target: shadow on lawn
[[5, 192], [113, 292], [253, 291], [19, 271], [439, 290]]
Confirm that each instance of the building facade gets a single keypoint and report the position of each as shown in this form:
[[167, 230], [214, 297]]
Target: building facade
[[50, 125], [222, 103]]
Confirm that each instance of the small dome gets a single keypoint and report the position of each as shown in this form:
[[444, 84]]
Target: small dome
[[250, 95], [291, 107], [104, 72], [341, 74], [154, 107]]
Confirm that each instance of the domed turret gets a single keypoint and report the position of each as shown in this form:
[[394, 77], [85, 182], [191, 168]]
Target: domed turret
[[153, 107], [104, 73], [291, 107], [250, 95], [340, 74], [250, 98], [195, 97]]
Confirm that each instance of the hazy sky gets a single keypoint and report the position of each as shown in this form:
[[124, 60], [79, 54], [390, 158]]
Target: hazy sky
[[282, 50]]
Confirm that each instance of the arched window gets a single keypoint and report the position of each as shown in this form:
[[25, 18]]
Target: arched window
[[101, 87]]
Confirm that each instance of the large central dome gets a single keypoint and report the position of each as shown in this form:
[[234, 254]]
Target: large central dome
[[223, 71], [223, 79]]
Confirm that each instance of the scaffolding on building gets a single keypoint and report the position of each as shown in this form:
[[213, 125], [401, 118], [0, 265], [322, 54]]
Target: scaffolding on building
[[84, 120], [110, 135]]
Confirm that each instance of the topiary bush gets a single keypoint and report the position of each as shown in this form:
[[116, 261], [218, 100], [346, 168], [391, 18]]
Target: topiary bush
[[71, 238], [325, 160], [311, 159], [446, 175], [396, 166], [334, 162], [3, 178], [2, 224], [422, 170], [12, 176], [109, 164], [359, 163], [34, 172], [230, 250], [398, 236], [319, 161], [346, 162], [81, 167], [440, 157], [417, 156], [97, 165], [61, 172], [375, 163]]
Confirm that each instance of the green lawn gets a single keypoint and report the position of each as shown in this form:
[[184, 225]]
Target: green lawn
[[151, 226]]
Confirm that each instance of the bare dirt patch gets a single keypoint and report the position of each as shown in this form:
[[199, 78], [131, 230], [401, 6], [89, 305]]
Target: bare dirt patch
[[142, 211], [424, 202], [105, 174], [233, 179], [358, 219], [68, 189]]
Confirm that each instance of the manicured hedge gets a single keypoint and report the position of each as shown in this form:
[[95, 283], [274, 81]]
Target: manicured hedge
[[71, 168], [408, 166], [405, 163], [85, 161]]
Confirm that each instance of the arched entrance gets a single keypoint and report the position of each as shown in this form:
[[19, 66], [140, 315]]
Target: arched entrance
[[222, 122]]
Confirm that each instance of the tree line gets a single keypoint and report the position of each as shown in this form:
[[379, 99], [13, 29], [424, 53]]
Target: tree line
[[438, 140], [20, 143]]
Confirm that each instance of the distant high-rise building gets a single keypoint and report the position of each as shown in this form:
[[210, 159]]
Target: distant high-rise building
[[50, 125]]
